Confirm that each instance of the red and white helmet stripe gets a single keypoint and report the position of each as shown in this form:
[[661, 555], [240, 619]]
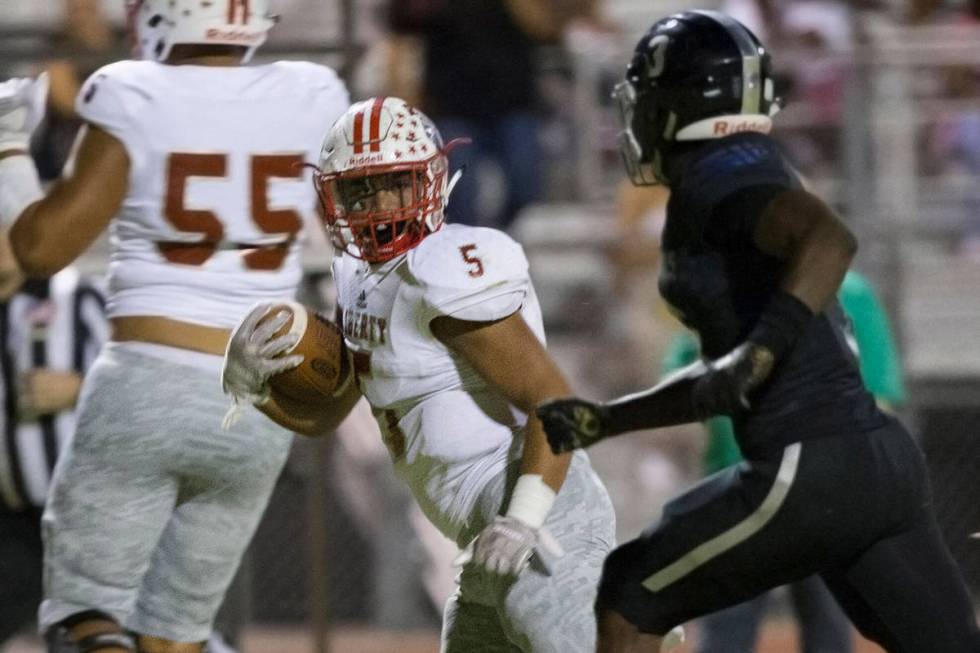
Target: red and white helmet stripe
[[373, 141], [238, 9]]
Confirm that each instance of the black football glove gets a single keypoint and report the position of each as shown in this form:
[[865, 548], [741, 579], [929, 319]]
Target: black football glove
[[724, 388], [572, 423]]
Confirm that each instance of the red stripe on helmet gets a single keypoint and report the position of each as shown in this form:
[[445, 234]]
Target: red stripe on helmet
[[245, 12], [375, 131], [359, 133], [232, 5]]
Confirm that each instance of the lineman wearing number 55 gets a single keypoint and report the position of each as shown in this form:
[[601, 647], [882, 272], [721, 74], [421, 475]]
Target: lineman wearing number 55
[[448, 346], [196, 163], [752, 262]]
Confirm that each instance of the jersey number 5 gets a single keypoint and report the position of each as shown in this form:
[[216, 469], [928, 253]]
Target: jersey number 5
[[182, 165], [476, 263]]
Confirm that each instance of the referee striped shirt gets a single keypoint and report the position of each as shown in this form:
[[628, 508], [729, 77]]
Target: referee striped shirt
[[58, 325]]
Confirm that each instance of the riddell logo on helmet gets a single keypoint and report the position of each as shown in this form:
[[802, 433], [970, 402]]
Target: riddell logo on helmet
[[726, 127], [367, 159], [231, 35]]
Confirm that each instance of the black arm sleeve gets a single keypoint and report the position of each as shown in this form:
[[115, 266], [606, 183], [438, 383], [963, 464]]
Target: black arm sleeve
[[668, 403]]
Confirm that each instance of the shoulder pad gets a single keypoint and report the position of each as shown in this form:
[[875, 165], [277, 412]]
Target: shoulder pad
[[734, 163], [727, 166], [472, 273], [313, 73], [313, 78], [114, 93]]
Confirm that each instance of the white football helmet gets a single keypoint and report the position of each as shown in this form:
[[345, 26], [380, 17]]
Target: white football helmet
[[383, 179], [158, 25]]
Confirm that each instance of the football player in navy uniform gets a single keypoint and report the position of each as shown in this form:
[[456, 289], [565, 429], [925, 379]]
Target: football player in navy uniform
[[752, 261]]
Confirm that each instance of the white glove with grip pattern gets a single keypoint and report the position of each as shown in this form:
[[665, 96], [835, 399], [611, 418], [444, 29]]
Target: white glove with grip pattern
[[506, 545], [253, 355], [22, 104]]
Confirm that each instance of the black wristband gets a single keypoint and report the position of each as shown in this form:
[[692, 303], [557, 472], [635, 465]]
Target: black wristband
[[781, 324]]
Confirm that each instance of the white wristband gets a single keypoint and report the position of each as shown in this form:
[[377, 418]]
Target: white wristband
[[19, 186], [531, 500]]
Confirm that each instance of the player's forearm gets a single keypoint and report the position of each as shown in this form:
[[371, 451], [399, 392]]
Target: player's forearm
[[669, 403], [539, 459], [53, 232], [35, 254], [540, 382]]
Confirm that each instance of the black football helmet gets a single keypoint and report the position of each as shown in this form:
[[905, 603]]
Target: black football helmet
[[694, 75]]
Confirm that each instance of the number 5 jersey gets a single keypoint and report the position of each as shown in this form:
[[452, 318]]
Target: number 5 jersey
[[448, 432], [218, 195]]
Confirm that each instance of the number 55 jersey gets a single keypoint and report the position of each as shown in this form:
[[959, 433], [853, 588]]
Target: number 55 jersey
[[218, 195], [448, 432]]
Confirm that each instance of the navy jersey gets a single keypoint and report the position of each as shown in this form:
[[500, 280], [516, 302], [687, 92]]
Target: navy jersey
[[719, 282]]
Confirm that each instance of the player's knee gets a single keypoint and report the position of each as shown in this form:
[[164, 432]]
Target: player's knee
[[621, 593], [89, 632]]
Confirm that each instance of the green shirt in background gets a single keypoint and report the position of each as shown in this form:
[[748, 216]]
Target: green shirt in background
[[881, 367]]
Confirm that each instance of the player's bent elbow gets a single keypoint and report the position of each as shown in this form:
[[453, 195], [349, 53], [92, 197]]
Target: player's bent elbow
[[35, 263], [32, 257]]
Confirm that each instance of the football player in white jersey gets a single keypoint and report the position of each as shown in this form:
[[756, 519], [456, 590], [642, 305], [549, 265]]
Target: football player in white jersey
[[195, 162], [447, 342]]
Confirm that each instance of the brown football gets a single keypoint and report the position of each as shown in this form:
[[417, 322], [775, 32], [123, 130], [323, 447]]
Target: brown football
[[322, 345]]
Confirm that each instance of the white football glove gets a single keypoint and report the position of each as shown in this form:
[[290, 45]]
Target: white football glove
[[252, 356], [506, 545], [22, 103]]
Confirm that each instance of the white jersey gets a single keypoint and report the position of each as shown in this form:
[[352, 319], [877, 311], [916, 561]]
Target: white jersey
[[449, 434], [217, 198]]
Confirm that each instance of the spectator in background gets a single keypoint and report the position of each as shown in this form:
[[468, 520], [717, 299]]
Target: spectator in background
[[50, 332], [954, 142], [813, 37], [824, 628], [84, 27], [478, 81]]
